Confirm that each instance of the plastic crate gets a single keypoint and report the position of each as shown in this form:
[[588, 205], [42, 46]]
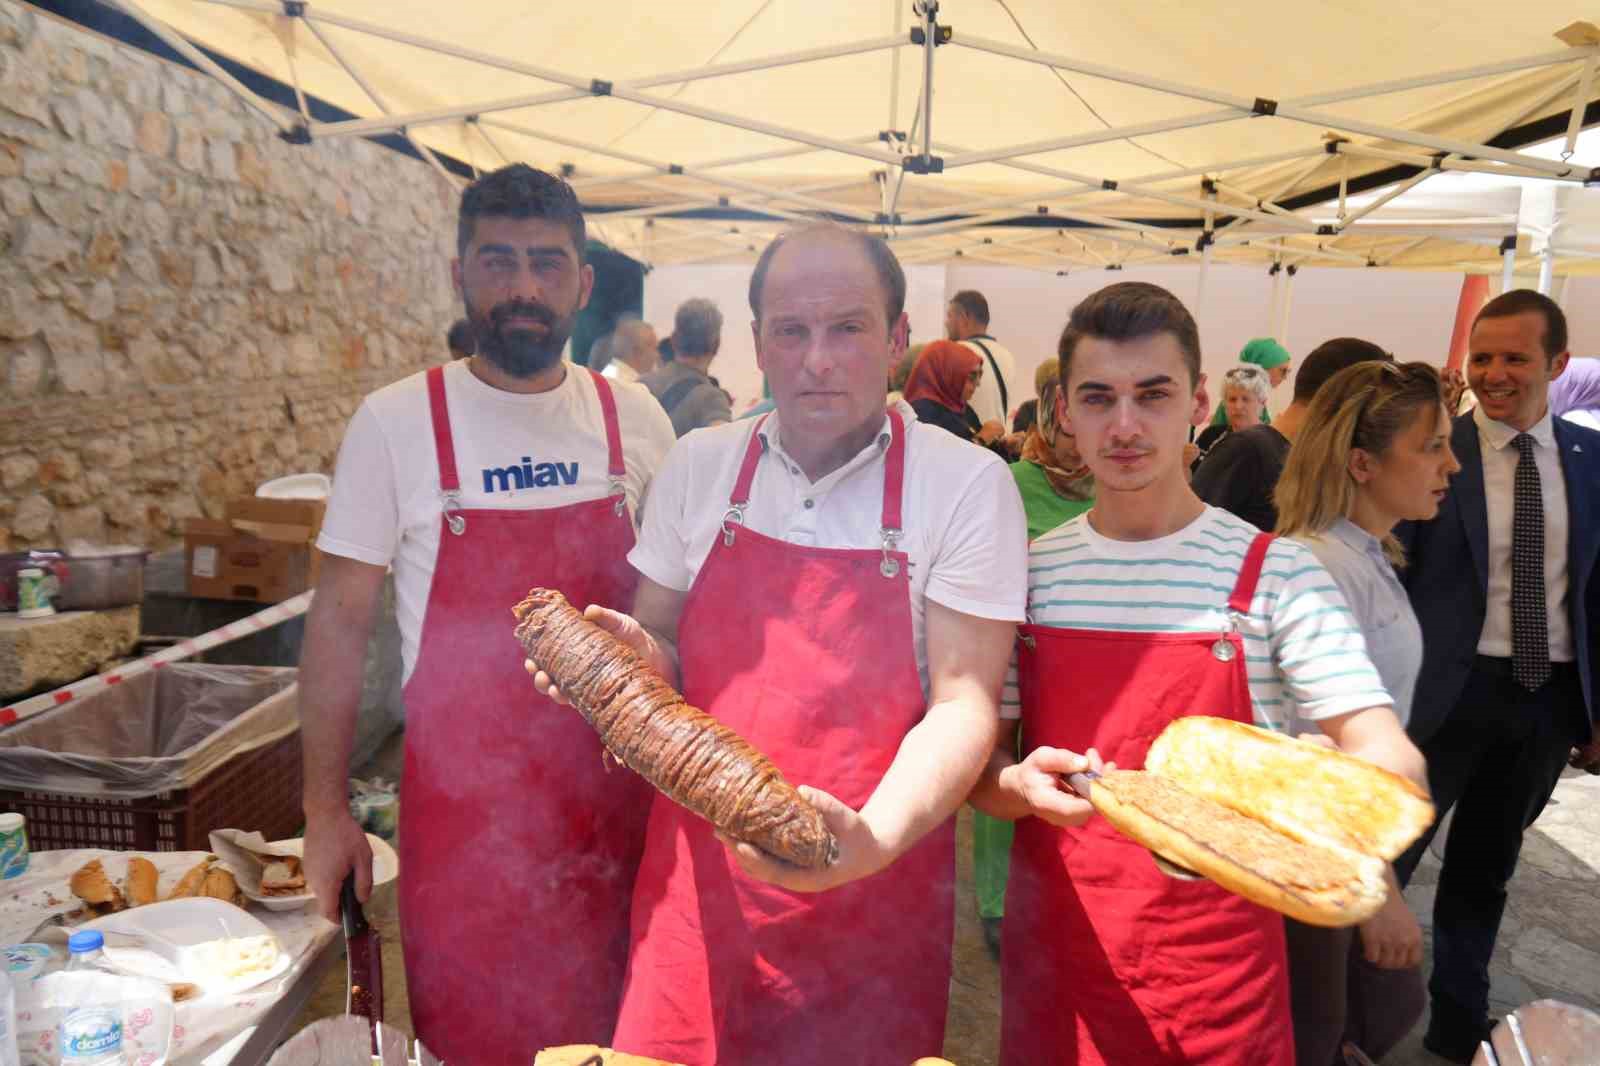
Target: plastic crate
[[259, 789]]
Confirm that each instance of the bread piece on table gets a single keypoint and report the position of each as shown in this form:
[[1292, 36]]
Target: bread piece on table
[[282, 876], [1313, 884], [141, 881], [194, 880], [219, 884], [91, 885], [1314, 794], [592, 1055]]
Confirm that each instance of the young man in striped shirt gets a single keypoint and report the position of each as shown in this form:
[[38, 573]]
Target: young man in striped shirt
[[1149, 607]]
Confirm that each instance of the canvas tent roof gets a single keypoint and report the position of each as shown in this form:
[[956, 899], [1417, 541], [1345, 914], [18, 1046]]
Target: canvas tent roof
[[693, 130]]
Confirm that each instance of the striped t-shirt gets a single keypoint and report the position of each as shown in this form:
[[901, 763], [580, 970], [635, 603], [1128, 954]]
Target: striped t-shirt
[[1303, 649]]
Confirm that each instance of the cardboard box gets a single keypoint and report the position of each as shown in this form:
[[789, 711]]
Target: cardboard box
[[261, 551]]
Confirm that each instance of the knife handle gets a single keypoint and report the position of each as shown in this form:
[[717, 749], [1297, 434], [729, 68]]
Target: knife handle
[[351, 915], [1082, 782]]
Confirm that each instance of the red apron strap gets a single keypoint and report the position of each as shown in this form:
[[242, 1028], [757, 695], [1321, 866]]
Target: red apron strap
[[747, 471], [608, 408], [1244, 590], [442, 443], [894, 471]]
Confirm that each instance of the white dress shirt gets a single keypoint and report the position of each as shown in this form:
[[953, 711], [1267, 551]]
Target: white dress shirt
[[1500, 459]]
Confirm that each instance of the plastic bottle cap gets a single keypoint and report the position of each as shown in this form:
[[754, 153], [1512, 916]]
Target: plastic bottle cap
[[88, 940], [10, 823]]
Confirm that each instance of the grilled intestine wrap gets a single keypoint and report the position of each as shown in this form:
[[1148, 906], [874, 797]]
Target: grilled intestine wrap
[[645, 724]]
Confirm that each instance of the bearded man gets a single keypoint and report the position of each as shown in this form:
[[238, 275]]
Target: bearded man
[[476, 480]]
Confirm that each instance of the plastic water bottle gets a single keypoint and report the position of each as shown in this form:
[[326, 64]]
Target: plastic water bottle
[[90, 1034]]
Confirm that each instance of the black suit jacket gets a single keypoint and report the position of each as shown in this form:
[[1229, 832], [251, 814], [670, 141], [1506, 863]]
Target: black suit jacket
[[1447, 575]]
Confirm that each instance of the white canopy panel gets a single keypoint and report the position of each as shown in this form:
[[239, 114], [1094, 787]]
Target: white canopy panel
[[1114, 131]]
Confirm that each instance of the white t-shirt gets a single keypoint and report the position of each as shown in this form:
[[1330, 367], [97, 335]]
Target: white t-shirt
[[386, 503], [986, 401], [964, 528], [1304, 654]]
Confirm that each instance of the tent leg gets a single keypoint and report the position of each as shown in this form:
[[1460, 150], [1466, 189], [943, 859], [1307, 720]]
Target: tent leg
[[1508, 252], [1275, 302], [929, 10], [1288, 296], [1547, 263]]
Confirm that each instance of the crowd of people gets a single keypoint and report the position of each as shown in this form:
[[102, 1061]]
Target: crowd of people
[[910, 605]]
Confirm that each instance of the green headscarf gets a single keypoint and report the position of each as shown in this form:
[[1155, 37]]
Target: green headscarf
[[1265, 353]]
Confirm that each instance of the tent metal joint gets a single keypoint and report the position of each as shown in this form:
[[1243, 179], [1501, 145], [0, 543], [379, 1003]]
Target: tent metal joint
[[599, 87], [1208, 186], [1109, 185], [299, 133], [674, 168], [1264, 106], [892, 136], [924, 164], [1327, 230], [294, 8]]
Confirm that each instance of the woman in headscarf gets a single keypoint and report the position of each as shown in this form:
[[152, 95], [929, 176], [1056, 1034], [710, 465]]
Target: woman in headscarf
[[1054, 481], [1268, 355], [941, 384], [1575, 395]]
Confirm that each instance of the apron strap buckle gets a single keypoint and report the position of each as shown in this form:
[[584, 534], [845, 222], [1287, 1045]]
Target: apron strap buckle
[[620, 495], [890, 566], [733, 516], [452, 505]]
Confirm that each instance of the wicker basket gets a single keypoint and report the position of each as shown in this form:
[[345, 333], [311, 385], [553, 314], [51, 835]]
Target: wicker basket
[[259, 789]]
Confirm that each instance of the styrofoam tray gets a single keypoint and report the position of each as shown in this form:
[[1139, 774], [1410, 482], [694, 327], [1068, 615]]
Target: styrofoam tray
[[182, 924]]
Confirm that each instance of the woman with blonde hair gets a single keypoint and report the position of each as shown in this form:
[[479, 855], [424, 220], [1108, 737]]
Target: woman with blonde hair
[[1375, 452]]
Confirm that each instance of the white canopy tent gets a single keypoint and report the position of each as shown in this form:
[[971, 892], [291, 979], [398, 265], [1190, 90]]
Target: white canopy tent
[[1033, 133]]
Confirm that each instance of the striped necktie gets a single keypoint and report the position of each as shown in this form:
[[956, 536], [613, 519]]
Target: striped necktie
[[1530, 629]]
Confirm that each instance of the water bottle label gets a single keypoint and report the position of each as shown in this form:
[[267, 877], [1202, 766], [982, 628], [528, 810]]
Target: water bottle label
[[13, 853], [89, 1033]]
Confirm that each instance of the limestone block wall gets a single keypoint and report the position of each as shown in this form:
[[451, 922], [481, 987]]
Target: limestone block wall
[[188, 305]]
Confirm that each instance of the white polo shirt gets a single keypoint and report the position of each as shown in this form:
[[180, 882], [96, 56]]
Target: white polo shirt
[[514, 451], [964, 529]]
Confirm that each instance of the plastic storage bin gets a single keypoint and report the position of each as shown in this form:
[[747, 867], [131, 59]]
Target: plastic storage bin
[[102, 579]]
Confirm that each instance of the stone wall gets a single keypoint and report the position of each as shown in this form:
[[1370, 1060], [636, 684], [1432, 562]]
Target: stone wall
[[188, 305]]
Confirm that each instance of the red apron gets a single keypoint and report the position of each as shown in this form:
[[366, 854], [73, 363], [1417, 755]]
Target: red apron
[[518, 848], [1105, 959], [809, 654]]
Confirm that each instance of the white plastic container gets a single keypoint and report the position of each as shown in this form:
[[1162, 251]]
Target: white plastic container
[[8, 1025]]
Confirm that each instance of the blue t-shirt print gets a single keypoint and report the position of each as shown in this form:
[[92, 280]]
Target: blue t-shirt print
[[529, 475]]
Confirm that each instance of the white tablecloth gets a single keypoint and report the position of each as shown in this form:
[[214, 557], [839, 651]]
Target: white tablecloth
[[203, 1024]]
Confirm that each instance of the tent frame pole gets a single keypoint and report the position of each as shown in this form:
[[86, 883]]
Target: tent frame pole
[[1508, 255], [181, 45], [1076, 188], [1299, 110]]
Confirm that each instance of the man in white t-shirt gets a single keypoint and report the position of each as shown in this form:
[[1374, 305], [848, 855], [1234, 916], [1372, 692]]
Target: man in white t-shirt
[[631, 351], [839, 584], [966, 319], [1150, 607], [476, 480]]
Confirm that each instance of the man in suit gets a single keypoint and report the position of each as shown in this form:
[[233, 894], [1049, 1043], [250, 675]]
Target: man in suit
[[1507, 589]]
